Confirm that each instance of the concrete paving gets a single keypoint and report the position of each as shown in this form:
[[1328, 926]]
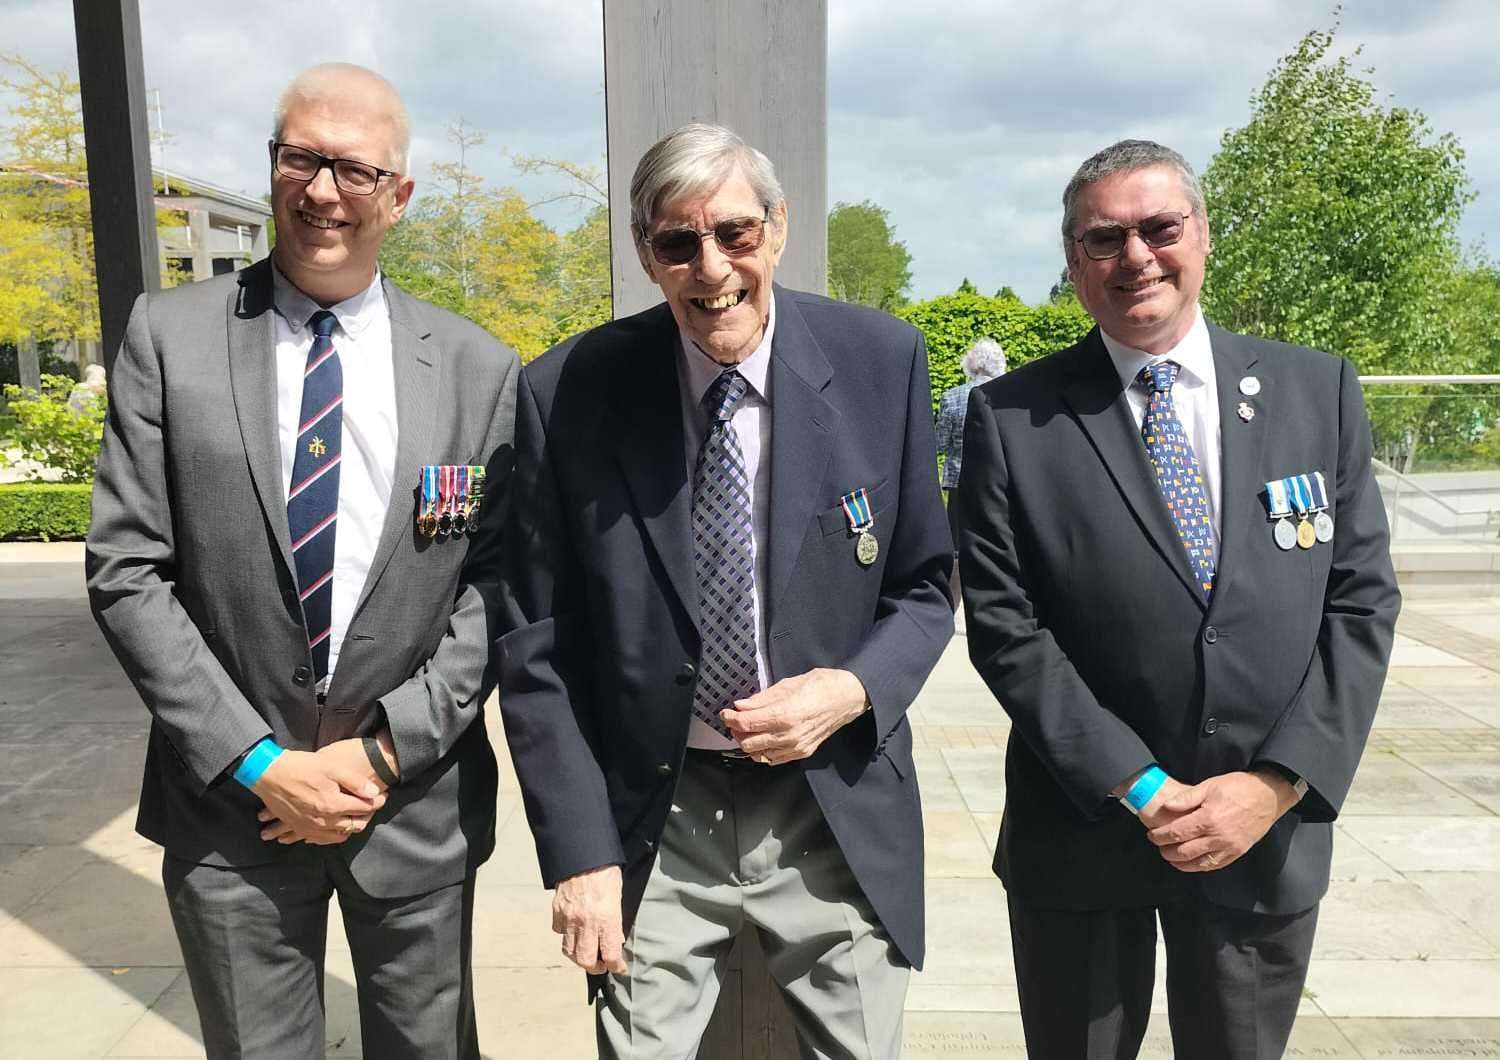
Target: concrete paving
[[1407, 962]]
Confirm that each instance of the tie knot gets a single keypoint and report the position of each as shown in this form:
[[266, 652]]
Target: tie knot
[[322, 323], [725, 393], [1160, 376]]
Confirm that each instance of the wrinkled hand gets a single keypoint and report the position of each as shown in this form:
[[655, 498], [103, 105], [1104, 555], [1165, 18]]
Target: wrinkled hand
[[317, 798], [791, 719], [1155, 813], [1215, 822], [586, 912]]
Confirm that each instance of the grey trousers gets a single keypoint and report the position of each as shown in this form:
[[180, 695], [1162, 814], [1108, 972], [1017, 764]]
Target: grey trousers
[[746, 845], [253, 940], [1234, 979]]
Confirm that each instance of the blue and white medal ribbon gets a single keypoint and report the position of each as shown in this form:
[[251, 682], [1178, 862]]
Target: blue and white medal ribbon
[[1284, 533], [1301, 489], [1322, 521], [857, 511]]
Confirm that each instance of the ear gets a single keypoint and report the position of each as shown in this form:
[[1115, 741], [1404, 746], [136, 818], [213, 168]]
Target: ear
[[1070, 256], [778, 232], [643, 254], [404, 188]]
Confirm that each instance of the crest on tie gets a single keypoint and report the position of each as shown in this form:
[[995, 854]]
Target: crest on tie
[[317, 447]]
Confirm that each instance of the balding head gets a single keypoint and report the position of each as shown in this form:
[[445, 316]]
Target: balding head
[[339, 80]]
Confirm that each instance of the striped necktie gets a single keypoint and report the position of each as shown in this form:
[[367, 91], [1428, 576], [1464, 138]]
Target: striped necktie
[[312, 507], [724, 559], [1178, 473]]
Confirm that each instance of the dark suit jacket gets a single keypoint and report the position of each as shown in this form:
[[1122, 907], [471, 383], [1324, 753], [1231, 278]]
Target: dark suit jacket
[[191, 579], [1084, 621], [598, 671]]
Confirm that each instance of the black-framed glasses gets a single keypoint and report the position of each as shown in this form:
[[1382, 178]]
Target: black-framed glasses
[[1103, 242], [735, 236], [304, 164]]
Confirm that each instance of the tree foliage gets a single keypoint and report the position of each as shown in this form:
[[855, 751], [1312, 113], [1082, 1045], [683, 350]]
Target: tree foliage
[[867, 264], [951, 322], [483, 253], [51, 433]]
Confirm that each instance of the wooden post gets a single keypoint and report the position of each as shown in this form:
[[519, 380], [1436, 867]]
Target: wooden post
[[757, 66], [108, 33], [761, 68]]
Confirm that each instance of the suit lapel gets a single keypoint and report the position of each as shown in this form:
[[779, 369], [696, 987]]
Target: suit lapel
[[418, 364], [1241, 443], [1094, 393], [803, 425], [646, 415], [252, 377]]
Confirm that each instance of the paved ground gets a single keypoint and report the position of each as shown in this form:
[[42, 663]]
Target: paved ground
[[1407, 963]]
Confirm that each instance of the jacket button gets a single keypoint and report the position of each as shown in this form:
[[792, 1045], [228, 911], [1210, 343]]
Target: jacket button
[[1210, 726], [1210, 635], [686, 673], [664, 769], [302, 676]]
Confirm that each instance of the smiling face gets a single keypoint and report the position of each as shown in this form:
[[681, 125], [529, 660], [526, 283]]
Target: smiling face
[[327, 240], [720, 302], [1145, 298]]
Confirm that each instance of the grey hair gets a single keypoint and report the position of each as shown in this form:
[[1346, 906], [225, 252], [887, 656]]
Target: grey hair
[[1126, 157], [694, 160], [322, 80], [985, 359]]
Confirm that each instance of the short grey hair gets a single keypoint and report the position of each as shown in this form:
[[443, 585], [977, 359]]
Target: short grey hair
[[985, 359], [1127, 156], [694, 160], [324, 79]]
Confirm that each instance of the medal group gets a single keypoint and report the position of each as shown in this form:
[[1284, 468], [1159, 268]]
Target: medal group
[[451, 498], [1307, 495]]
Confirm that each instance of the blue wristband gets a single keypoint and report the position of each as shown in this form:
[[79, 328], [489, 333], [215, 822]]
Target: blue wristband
[[256, 760], [1144, 789]]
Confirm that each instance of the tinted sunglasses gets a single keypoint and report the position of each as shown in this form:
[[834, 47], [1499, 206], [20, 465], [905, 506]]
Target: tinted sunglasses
[[735, 236], [1107, 241]]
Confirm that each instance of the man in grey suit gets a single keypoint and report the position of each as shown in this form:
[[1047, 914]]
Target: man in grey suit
[[1178, 583], [289, 557]]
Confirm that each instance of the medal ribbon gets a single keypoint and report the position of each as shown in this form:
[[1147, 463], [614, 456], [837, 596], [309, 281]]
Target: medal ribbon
[[857, 510], [1319, 490], [1276, 491]]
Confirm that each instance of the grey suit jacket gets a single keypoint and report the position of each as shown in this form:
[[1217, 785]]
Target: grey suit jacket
[[1086, 623], [191, 579]]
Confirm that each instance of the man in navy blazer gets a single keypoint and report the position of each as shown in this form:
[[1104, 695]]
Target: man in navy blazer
[[1178, 584], [729, 583]]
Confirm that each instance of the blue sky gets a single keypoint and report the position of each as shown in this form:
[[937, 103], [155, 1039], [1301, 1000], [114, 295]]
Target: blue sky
[[964, 120]]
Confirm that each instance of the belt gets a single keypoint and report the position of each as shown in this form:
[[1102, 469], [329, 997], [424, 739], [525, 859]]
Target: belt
[[728, 757]]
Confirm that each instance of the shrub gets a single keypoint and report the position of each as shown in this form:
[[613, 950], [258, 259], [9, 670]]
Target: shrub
[[952, 322], [45, 511], [51, 432]]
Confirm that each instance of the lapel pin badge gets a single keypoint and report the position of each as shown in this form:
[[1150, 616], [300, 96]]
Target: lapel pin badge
[[1249, 386], [1246, 411]]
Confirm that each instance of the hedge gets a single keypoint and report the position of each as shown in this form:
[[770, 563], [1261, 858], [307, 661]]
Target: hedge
[[44, 511]]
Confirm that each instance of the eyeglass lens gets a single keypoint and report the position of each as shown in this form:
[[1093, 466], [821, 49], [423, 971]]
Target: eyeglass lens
[[1106, 241], [300, 164], [678, 246]]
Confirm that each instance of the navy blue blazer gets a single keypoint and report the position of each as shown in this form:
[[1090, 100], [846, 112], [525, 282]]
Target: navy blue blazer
[[598, 666], [1086, 623]]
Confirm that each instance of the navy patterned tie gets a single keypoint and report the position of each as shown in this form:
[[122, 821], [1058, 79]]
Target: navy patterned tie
[[1178, 472], [312, 507], [724, 559]]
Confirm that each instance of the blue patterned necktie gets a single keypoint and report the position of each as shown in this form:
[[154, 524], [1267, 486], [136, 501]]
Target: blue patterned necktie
[[723, 558], [312, 507], [1178, 472]]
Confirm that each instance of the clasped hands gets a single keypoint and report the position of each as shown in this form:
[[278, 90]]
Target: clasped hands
[[1204, 827], [324, 796]]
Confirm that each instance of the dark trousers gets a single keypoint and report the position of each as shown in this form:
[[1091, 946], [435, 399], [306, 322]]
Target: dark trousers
[[253, 941], [1234, 979]]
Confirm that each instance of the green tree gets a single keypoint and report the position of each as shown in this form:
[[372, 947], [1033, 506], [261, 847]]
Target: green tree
[[867, 264], [1335, 220]]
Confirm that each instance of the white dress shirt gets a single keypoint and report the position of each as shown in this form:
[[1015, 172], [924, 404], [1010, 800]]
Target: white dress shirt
[[696, 372], [368, 467], [1195, 396]]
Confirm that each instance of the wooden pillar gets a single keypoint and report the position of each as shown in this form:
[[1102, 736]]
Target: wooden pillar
[[108, 33], [757, 66], [761, 68]]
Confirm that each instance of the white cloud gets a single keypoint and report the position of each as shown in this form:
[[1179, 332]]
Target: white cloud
[[963, 120]]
